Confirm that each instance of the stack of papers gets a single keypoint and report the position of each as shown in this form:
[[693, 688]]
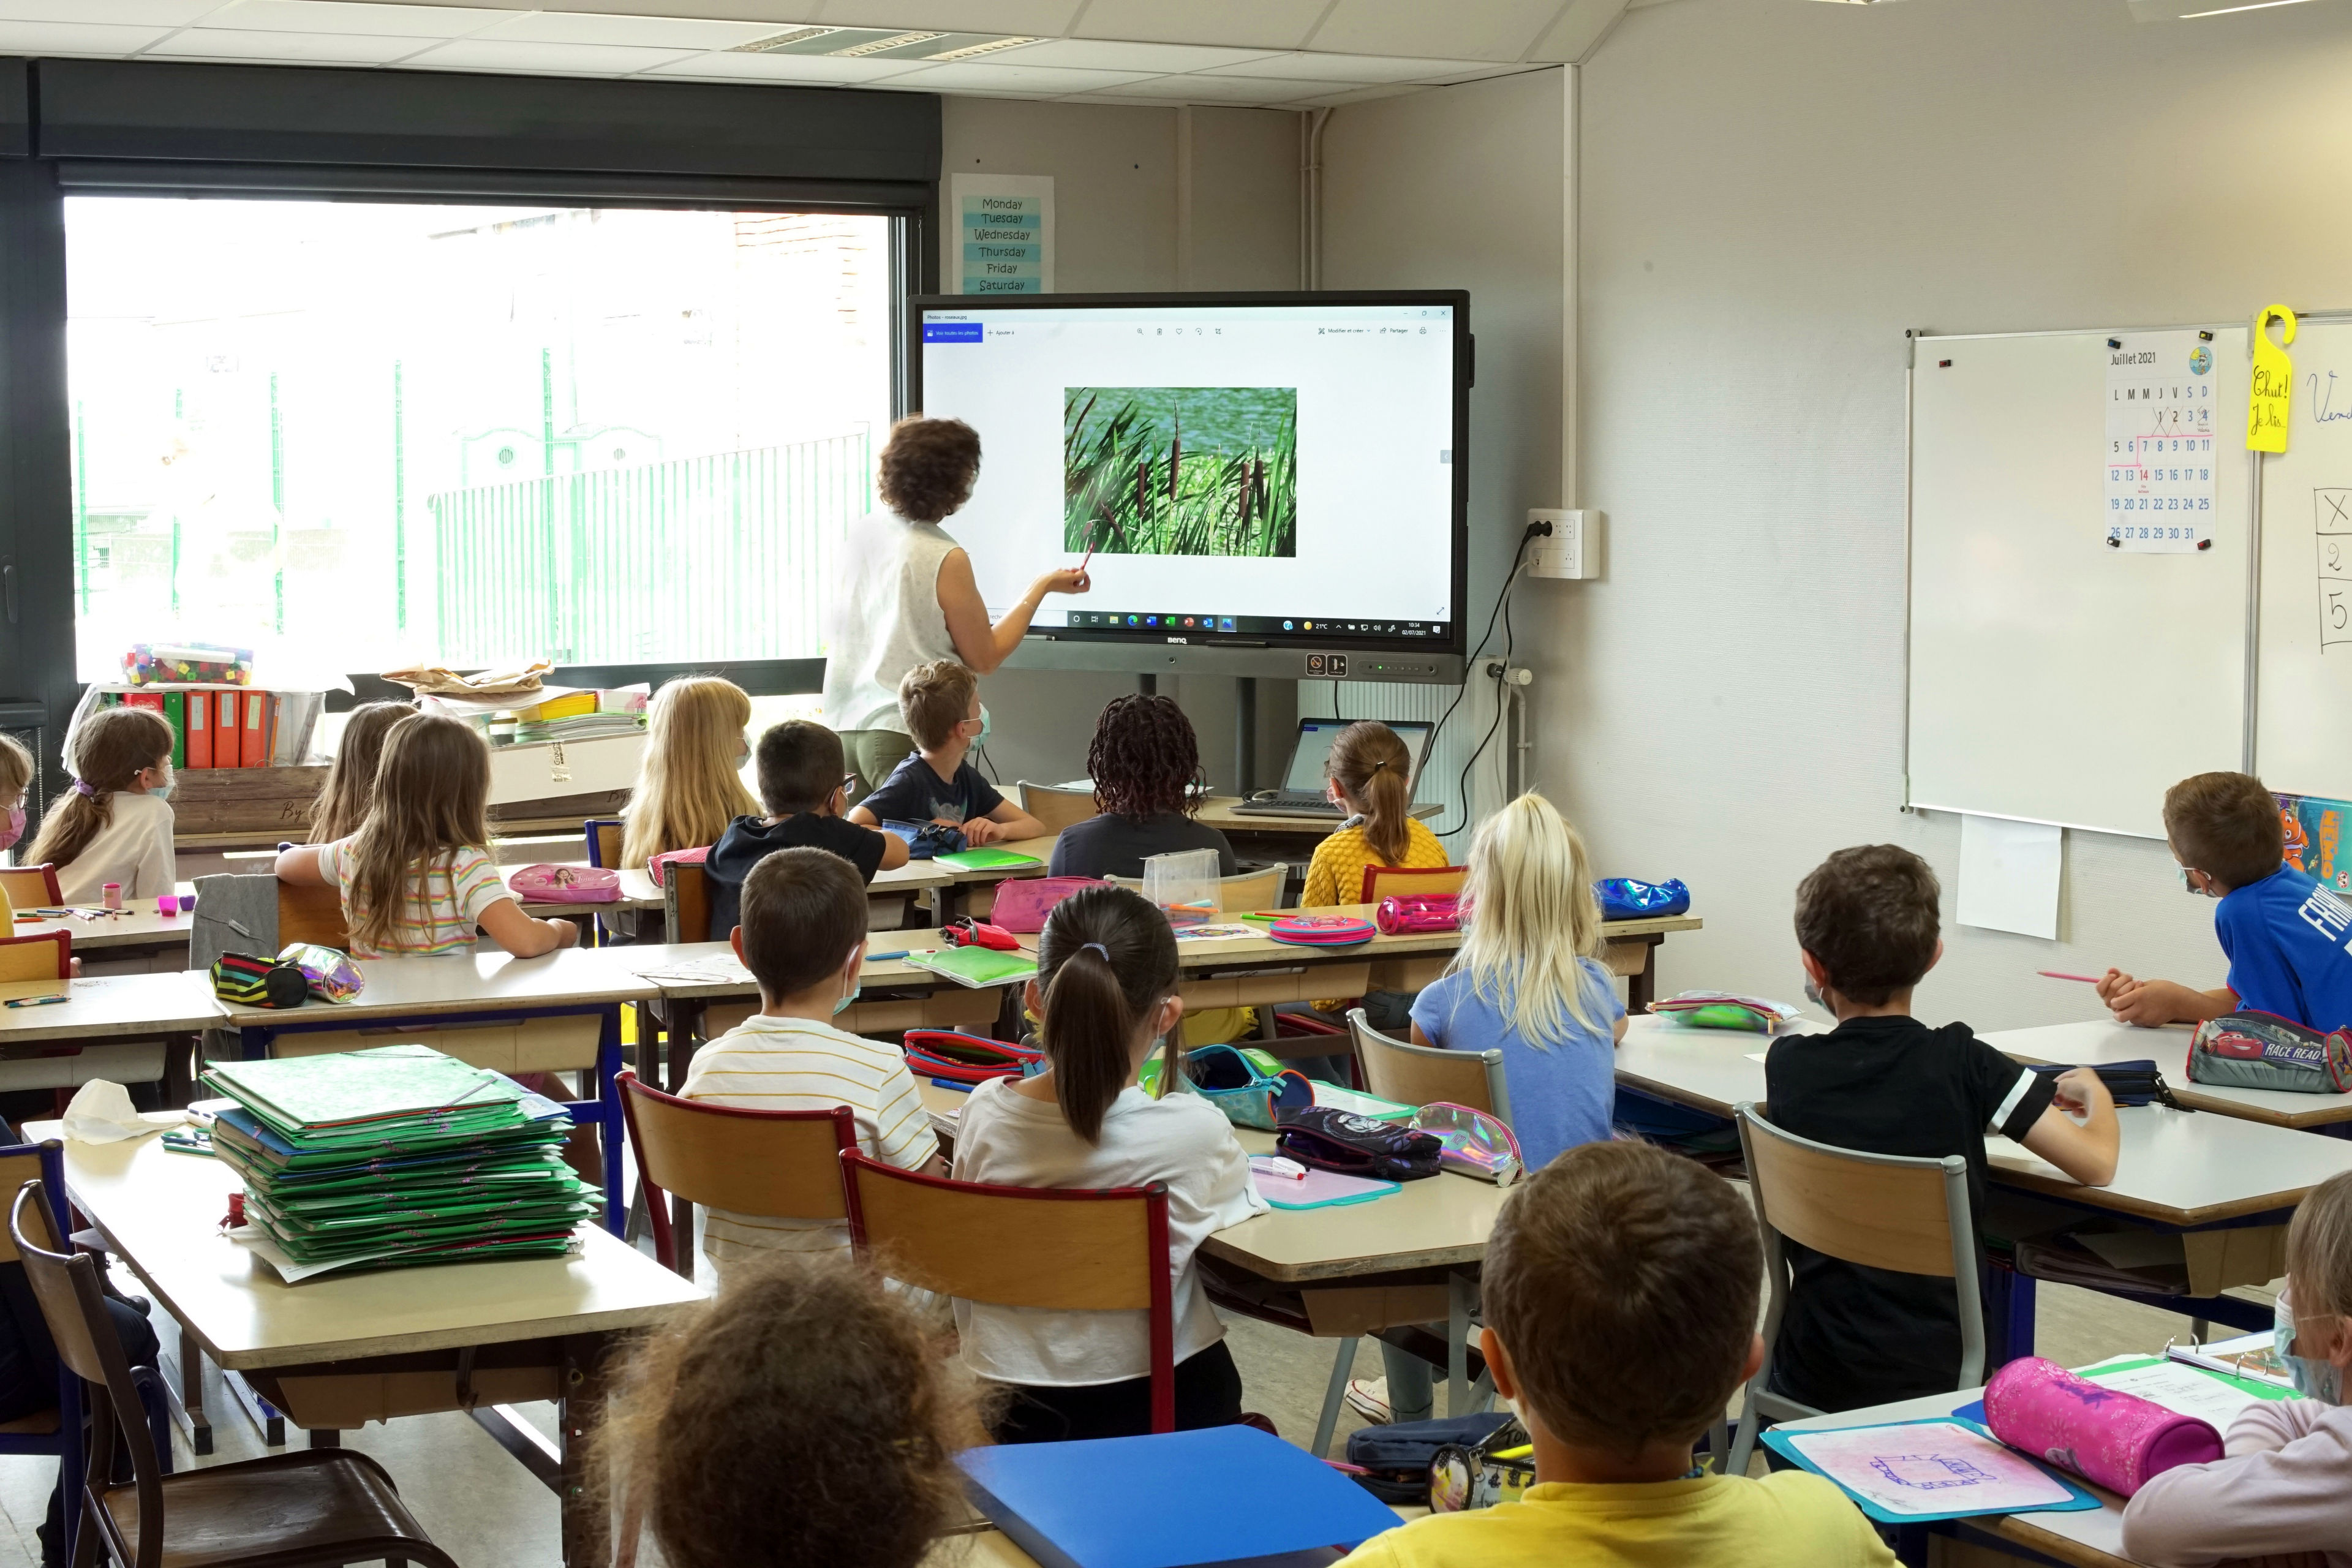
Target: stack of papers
[[578, 727], [394, 1157]]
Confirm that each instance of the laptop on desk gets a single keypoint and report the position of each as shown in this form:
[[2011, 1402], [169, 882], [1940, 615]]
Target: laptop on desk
[[1301, 794]]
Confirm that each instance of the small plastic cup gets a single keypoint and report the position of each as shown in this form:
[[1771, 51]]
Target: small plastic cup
[[113, 891], [167, 904]]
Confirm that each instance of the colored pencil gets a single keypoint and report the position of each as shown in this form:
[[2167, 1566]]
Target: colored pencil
[[2056, 974]]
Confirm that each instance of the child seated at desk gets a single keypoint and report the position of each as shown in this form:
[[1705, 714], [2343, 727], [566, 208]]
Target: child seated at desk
[[1883, 1082], [1620, 1287], [417, 879], [690, 784], [803, 1416], [1145, 762], [802, 937], [2283, 934], [115, 825], [343, 802], [804, 780], [16, 778], [940, 704], [1108, 963], [1369, 772], [2285, 1488]]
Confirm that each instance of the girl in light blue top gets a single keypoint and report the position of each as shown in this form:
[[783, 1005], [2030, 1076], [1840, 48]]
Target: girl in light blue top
[[1526, 982]]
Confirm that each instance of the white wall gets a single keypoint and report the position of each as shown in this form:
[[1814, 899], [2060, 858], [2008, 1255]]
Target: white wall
[[1461, 187], [1771, 191], [1123, 194]]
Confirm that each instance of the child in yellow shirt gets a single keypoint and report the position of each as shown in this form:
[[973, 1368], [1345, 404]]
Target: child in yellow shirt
[[1620, 1287], [1370, 774]]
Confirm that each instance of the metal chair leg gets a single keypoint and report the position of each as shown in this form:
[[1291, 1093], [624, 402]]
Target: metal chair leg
[[1459, 1291], [1342, 1365]]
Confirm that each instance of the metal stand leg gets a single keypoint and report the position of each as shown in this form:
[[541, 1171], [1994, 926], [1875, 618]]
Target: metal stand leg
[[1342, 1364], [1459, 1291], [587, 1532]]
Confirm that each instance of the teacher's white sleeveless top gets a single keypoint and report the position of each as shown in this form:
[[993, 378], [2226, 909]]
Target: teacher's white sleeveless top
[[885, 619]]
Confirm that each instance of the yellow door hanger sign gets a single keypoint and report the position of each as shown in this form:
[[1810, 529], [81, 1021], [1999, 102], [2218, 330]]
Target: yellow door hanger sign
[[2273, 376]]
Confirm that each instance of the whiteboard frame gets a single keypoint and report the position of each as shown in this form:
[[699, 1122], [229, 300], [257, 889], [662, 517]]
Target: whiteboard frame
[[1912, 337]]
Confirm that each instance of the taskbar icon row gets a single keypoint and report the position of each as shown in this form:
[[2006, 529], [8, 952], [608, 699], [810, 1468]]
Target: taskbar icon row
[[1245, 626]]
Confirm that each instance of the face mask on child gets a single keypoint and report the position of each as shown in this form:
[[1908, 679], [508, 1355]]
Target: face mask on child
[[981, 739], [2314, 1378], [12, 827], [843, 1006], [163, 790]]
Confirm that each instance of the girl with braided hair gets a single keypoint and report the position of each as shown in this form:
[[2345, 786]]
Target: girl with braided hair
[[1146, 763]]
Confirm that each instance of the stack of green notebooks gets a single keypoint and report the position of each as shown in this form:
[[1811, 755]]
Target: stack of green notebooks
[[392, 1158]]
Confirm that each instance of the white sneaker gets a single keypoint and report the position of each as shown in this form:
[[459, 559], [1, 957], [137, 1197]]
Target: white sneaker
[[1368, 1397]]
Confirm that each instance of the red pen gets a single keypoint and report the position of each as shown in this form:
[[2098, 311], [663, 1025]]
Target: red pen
[[2054, 974]]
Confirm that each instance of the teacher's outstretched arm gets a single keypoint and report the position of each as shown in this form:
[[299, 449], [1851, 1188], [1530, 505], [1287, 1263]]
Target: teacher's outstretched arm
[[979, 644]]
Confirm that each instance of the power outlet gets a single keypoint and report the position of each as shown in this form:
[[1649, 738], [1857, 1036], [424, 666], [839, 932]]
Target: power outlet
[[1571, 551]]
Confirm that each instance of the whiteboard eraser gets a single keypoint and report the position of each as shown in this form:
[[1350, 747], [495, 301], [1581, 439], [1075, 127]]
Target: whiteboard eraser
[[1571, 551]]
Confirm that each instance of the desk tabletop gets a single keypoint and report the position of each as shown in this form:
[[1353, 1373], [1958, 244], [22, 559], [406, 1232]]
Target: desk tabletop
[[117, 1005], [161, 1212], [474, 983], [698, 971], [137, 926], [2103, 1040], [914, 877]]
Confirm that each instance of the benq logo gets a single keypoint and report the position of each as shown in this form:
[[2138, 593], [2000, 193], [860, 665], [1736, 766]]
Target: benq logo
[[1179, 642]]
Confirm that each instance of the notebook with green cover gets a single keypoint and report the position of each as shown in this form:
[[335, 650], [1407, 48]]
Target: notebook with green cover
[[987, 858], [348, 1093], [976, 966]]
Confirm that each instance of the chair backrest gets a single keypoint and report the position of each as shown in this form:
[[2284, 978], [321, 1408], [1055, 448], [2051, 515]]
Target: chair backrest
[[1259, 889], [685, 901], [32, 887], [604, 836], [777, 1165], [1057, 808], [1405, 882], [47, 955], [309, 914], [1091, 1251], [1423, 1075]]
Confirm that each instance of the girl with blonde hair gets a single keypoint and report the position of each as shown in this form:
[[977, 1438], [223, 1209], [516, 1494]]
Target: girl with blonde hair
[[342, 803], [690, 785], [115, 825], [417, 879]]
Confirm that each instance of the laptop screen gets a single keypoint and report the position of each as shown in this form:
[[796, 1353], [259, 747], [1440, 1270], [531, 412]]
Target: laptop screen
[[1314, 747]]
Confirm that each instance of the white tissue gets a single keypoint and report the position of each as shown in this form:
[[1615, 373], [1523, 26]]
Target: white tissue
[[101, 1112]]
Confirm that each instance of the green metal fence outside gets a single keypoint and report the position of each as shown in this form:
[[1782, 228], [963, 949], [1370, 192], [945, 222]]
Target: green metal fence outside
[[716, 557]]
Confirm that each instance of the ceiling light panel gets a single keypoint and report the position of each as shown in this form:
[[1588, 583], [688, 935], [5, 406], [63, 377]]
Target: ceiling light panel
[[339, 16], [987, 76], [814, 71]]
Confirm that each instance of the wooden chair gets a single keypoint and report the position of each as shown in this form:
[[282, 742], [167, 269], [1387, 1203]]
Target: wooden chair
[[1093, 1250], [54, 1432], [1258, 889], [1881, 1210], [314, 1506], [1401, 881], [1057, 808], [32, 887], [1423, 1075], [604, 836], [777, 1165], [309, 914], [47, 956]]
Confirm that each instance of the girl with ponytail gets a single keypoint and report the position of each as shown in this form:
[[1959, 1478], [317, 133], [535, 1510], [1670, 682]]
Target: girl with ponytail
[[1370, 776], [114, 824], [1105, 997]]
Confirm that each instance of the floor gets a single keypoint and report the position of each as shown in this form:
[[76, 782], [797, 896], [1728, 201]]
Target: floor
[[483, 1509]]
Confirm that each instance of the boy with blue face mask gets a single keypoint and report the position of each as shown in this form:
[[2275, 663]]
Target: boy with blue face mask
[[802, 937], [2286, 1487]]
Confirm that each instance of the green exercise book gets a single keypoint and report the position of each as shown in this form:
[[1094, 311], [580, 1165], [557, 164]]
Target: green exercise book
[[363, 1094], [986, 858], [977, 966]]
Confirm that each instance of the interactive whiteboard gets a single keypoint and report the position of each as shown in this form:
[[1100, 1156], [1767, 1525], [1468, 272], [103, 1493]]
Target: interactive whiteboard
[[2055, 676]]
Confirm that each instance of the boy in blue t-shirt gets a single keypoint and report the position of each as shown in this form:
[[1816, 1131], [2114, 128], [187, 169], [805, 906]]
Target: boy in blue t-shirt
[[2288, 940], [940, 704]]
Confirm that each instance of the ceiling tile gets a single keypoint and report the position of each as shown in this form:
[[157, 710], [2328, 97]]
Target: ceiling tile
[[1365, 69], [1582, 26], [1097, 53], [1223, 89], [241, 44], [338, 17], [649, 32], [1358, 95], [1044, 18], [75, 38], [110, 13], [816, 70], [1464, 29], [987, 76], [550, 60], [1238, 23]]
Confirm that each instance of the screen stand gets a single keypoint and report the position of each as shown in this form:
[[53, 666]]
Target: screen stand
[[1148, 684], [1244, 735]]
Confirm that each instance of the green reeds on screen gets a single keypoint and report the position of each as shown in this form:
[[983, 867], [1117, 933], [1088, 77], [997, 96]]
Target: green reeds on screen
[[1181, 470]]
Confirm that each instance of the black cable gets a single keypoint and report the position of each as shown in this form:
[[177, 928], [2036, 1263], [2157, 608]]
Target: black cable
[[1462, 785], [1502, 597]]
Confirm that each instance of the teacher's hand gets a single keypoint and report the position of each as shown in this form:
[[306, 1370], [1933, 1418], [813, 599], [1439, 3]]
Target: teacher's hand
[[1068, 581]]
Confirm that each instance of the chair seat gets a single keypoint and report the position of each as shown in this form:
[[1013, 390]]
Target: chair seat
[[39, 1424], [319, 1505]]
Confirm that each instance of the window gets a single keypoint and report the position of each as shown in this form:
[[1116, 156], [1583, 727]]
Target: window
[[352, 435]]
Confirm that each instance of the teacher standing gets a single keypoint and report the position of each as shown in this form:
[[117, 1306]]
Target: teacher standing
[[904, 595]]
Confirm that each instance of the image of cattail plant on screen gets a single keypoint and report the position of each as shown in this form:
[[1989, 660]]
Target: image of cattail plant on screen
[[1180, 470]]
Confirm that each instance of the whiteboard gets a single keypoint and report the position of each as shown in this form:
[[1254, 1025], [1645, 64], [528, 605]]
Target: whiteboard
[[2303, 734], [2054, 679]]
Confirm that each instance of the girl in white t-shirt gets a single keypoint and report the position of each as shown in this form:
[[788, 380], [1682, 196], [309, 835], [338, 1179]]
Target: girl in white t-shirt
[[1108, 963], [417, 879], [114, 824]]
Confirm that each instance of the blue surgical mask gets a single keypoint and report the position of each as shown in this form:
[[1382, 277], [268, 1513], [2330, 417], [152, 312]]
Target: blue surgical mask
[[981, 739], [2314, 1378], [170, 781], [843, 1006]]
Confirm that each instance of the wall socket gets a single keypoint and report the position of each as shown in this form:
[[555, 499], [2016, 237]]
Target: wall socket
[[1572, 549]]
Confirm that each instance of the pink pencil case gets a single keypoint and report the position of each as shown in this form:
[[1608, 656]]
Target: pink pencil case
[[1023, 903], [2109, 1438]]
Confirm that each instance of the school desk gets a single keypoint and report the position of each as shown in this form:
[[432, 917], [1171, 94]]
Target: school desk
[[559, 1012], [160, 1213], [2087, 1538], [132, 1028], [2103, 1040], [138, 931]]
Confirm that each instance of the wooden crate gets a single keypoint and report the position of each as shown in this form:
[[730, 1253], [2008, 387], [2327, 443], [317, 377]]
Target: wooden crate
[[246, 800]]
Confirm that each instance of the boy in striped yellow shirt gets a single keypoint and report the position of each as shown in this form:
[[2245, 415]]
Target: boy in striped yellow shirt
[[802, 937]]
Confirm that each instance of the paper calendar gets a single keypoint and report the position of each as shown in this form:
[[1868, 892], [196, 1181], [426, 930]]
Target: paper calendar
[[2160, 459]]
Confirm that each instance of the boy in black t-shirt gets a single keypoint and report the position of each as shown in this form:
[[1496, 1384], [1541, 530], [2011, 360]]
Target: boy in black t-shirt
[[940, 703], [803, 776], [1884, 1083]]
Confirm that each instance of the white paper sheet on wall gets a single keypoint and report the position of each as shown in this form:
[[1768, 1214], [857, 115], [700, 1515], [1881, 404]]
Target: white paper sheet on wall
[[2009, 875]]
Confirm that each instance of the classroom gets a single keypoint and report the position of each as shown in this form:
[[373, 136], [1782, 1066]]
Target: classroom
[[1524, 778]]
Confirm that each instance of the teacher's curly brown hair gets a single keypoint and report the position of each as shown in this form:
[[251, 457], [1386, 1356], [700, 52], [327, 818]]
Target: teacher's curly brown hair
[[929, 467], [1144, 759]]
